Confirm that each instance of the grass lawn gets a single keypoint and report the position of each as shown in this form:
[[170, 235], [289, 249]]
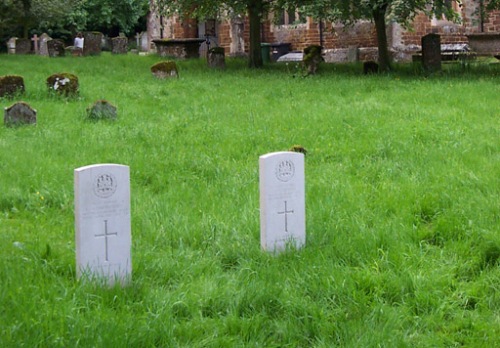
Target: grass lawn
[[402, 207]]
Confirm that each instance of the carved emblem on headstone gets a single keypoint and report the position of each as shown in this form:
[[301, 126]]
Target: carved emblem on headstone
[[105, 185], [285, 170]]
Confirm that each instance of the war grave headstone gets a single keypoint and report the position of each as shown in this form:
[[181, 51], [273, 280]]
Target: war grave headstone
[[18, 114], [44, 50], [102, 223], [282, 201], [431, 52]]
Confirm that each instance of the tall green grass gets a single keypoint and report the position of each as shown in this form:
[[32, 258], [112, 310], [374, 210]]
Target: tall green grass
[[402, 198]]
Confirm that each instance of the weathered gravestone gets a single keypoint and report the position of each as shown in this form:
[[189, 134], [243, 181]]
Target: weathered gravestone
[[56, 48], [101, 110], [216, 58], [44, 50], [92, 43], [166, 69], [11, 45], [18, 114], [11, 85], [65, 84], [431, 52], [102, 223], [282, 201], [119, 45], [23, 46]]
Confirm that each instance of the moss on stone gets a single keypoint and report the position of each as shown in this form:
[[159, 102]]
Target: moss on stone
[[165, 69], [64, 84], [11, 85]]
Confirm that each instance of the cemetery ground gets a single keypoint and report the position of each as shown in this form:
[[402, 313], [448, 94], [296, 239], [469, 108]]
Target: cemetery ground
[[402, 207]]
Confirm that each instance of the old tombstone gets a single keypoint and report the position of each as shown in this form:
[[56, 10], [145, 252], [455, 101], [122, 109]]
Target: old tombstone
[[65, 84], [216, 58], [166, 69], [93, 42], [11, 85], [44, 50], [23, 46], [119, 45], [102, 223], [18, 114], [282, 201], [11, 45], [101, 110], [145, 44], [56, 48], [431, 52]]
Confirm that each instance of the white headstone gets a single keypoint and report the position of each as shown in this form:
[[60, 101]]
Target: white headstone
[[282, 201], [102, 222]]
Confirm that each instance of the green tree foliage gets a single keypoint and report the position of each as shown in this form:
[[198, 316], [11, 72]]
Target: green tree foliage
[[110, 15], [18, 17]]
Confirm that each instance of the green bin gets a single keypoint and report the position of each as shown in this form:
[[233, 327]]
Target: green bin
[[266, 52]]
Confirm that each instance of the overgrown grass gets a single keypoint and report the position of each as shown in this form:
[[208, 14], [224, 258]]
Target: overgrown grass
[[403, 210]]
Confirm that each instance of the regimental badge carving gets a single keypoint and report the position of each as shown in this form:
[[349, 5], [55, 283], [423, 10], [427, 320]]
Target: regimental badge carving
[[285, 170], [105, 185]]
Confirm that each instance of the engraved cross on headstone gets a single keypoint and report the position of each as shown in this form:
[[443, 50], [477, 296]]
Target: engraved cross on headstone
[[286, 212], [106, 235]]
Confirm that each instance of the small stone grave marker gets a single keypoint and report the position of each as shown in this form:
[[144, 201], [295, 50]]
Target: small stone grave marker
[[282, 201], [101, 110], [431, 52], [102, 223], [18, 114]]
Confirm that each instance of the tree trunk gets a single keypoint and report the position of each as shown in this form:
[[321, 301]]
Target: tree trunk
[[255, 8], [384, 59]]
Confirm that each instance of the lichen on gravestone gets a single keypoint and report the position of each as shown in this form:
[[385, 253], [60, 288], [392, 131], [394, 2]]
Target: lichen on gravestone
[[165, 69], [65, 84], [101, 110], [11, 85]]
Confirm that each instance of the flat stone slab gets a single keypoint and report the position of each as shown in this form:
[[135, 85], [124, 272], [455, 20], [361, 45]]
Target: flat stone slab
[[291, 57]]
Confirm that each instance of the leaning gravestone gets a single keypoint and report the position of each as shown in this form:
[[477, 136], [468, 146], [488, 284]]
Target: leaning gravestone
[[282, 201], [102, 223], [92, 43], [18, 114], [431, 52]]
